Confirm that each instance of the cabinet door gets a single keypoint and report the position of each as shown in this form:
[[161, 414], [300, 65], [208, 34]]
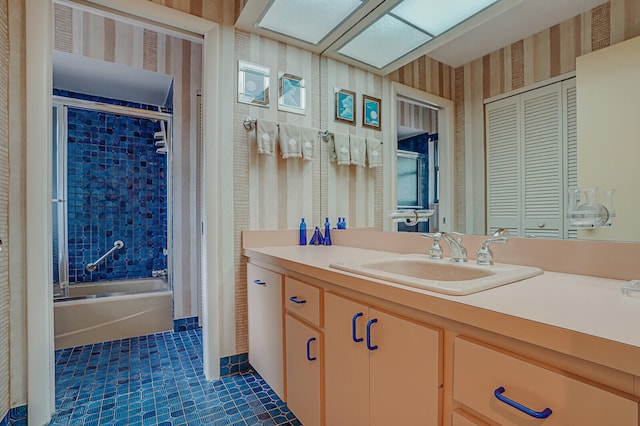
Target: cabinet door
[[304, 354], [404, 371], [346, 362], [264, 299], [543, 162], [503, 166]]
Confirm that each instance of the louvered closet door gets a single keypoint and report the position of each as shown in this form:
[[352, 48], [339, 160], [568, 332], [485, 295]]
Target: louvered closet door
[[542, 162], [571, 123], [503, 166]]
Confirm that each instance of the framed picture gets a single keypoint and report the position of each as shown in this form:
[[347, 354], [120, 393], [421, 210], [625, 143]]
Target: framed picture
[[345, 106], [371, 112], [291, 93], [253, 84]]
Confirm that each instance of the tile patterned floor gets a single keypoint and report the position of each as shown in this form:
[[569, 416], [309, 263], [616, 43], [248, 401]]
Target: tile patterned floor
[[157, 380]]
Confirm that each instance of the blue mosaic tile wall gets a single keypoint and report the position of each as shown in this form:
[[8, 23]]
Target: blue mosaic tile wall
[[234, 364], [17, 416], [117, 190], [184, 324]]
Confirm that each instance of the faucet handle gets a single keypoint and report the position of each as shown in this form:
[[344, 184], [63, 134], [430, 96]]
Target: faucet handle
[[435, 251], [485, 255]]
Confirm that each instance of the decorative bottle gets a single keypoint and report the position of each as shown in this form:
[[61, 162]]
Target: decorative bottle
[[327, 232], [303, 233]]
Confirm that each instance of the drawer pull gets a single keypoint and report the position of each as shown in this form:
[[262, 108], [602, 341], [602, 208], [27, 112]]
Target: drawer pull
[[353, 328], [295, 299], [537, 414], [309, 349], [259, 282], [369, 324]]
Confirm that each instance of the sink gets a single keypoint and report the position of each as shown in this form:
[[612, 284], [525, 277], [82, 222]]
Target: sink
[[441, 276]]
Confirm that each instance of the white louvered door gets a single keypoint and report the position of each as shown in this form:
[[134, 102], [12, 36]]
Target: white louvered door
[[531, 160], [542, 166], [503, 166], [571, 123]]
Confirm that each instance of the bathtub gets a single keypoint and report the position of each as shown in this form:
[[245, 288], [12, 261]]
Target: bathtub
[[110, 310]]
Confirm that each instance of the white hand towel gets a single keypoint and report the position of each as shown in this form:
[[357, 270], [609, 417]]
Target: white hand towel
[[340, 149], [374, 152], [309, 137], [266, 132], [290, 141], [358, 150]]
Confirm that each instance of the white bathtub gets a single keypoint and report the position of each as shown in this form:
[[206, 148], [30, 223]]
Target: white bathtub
[[110, 310]]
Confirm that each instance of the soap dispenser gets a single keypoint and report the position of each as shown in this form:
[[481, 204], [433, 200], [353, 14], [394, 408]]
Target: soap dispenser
[[327, 232]]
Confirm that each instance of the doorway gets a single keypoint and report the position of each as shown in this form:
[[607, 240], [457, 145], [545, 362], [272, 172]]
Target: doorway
[[39, 14], [419, 172], [418, 163]]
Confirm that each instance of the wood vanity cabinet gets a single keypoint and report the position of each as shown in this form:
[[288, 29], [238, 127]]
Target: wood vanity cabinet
[[304, 354], [264, 303], [380, 369]]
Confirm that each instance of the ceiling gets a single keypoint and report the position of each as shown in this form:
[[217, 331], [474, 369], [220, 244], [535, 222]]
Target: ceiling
[[499, 25]]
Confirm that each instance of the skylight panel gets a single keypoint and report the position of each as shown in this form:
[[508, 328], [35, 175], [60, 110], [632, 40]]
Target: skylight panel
[[437, 16], [310, 20], [383, 42]]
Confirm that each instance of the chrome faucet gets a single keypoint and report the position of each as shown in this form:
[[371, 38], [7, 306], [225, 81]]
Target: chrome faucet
[[456, 250], [435, 251], [485, 255]]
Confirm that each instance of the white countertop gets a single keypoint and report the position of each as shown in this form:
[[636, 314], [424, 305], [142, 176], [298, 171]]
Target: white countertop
[[588, 305]]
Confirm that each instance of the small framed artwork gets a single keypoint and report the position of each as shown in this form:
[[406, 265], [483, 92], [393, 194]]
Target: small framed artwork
[[371, 112], [291, 93], [345, 106], [253, 84]]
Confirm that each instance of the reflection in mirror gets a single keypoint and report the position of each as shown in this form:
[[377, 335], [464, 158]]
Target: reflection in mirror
[[417, 162]]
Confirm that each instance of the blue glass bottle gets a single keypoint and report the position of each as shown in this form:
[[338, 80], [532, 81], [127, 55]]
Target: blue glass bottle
[[327, 232], [303, 233]]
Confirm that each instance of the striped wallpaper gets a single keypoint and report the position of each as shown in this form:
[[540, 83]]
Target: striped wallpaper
[[82, 33], [5, 294]]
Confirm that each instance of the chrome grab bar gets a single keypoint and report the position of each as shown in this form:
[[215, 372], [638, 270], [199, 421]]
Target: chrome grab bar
[[117, 245]]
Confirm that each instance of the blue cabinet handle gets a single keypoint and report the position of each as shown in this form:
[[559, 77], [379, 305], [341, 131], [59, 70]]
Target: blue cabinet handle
[[259, 282], [309, 349], [353, 328], [295, 299], [498, 393], [369, 324]]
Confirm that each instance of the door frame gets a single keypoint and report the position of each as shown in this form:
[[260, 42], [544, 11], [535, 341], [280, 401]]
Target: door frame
[[217, 224], [446, 139]]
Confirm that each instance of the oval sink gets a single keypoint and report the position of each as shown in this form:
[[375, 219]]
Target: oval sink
[[417, 268], [441, 276]]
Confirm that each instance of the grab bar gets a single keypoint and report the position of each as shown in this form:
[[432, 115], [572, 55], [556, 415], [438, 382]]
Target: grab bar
[[117, 245]]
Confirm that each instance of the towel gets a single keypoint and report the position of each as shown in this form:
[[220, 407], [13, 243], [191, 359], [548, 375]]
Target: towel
[[309, 137], [340, 149], [266, 132], [358, 150], [290, 141], [374, 152]]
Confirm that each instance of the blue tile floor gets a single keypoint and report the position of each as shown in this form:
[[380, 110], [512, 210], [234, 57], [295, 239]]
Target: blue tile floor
[[157, 380]]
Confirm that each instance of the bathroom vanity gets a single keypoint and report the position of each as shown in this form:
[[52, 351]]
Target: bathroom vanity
[[345, 348]]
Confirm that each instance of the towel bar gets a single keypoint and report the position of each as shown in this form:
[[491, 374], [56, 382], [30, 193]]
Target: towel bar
[[249, 123]]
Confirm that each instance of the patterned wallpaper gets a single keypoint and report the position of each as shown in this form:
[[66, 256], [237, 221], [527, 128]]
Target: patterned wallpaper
[[5, 298]]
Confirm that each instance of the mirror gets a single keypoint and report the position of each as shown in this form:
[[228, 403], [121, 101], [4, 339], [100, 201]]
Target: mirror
[[488, 77]]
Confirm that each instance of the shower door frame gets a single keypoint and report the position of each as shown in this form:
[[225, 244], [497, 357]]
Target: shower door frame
[[62, 104]]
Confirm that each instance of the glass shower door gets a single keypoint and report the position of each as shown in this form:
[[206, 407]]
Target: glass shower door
[[59, 205]]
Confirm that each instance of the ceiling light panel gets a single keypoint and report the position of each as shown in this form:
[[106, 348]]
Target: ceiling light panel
[[309, 20], [383, 42], [437, 16]]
